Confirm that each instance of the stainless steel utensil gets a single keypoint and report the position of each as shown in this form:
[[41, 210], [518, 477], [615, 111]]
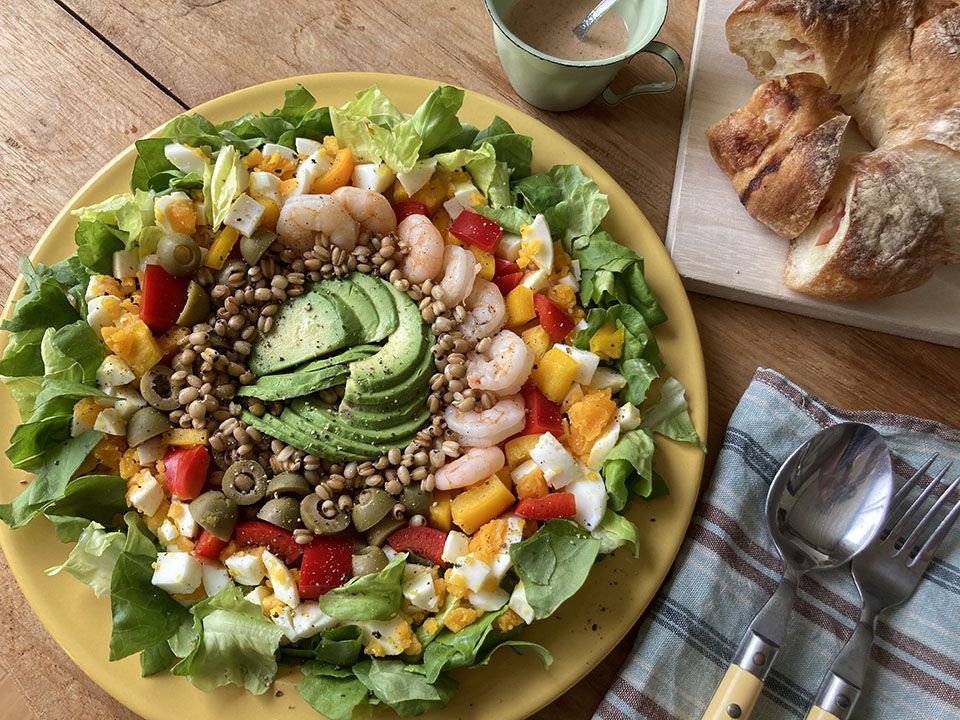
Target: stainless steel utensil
[[827, 502], [886, 574], [599, 11]]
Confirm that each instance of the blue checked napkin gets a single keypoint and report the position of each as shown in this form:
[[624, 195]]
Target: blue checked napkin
[[727, 568]]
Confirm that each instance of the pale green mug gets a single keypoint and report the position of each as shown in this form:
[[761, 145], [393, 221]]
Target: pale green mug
[[552, 83]]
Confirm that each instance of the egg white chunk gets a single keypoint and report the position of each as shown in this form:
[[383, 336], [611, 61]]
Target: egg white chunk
[[146, 495], [246, 568], [502, 562], [283, 151], [306, 146], [265, 185], [418, 176], [603, 445], [605, 378], [311, 169], [628, 415], [185, 158], [111, 422], [177, 572], [179, 512], [304, 621], [591, 497], [281, 579], [538, 244], [519, 604], [557, 464], [509, 247], [387, 634], [587, 362], [455, 547], [114, 370], [489, 600], [215, 578], [418, 587], [373, 176]]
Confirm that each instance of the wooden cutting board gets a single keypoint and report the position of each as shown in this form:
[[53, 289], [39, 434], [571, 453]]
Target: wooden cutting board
[[720, 250]]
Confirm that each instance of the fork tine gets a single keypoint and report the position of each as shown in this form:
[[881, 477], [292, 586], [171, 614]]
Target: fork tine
[[909, 484], [930, 546], [903, 522], [926, 520]]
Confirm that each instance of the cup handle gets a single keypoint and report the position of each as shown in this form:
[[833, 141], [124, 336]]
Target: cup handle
[[661, 86]]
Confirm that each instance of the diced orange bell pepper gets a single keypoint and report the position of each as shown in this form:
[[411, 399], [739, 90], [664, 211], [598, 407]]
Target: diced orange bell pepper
[[520, 307], [518, 449], [537, 339], [337, 176], [554, 374], [440, 515], [480, 503], [607, 342]]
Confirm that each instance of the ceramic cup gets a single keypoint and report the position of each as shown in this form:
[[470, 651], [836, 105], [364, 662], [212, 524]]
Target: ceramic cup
[[552, 83]]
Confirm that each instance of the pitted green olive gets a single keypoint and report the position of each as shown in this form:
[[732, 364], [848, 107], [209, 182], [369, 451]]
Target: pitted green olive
[[245, 482], [289, 483], [416, 500], [156, 388], [215, 513], [283, 512], [197, 307], [378, 534], [146, 423], [179, 254], [252, 248], [317, 522], [371, 506], [369, 560]]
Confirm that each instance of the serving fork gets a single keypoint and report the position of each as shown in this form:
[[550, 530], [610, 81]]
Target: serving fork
[[886, 573]]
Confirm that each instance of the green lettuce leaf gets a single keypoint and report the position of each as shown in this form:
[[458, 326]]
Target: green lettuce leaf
[[553, 564], [615, 531], [22, 355], [24, 391], [92, 559], [44, 305], [512, 148], [96, 244], [587, 206], [225, 183], [491, 176], [670, 416], [235, 644], [156, 659], [520, 646], [368, 597], [139, 540], [100, 498], [628, 469], [452, 650], [128, 214], [509, 218], [402, 688], [72, 353], [340, 646], [435, 121], [334, 692]]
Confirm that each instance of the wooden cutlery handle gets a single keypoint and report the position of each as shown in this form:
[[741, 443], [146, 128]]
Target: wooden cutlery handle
[[818, 713], [736, 695]]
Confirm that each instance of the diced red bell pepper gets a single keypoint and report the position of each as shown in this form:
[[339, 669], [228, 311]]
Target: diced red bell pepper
[[504, 267], [185, 469], [209, 546], [475, 229], [279, 541], [543, 415], [554, 320], [548, 507], [409, 207], [163, 297], [327, 564], [425, 541], [506, 283]]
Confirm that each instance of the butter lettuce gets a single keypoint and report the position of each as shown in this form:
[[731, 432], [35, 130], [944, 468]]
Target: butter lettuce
[[120, 218], [334, 692], [92, 559], [628, 469], [403, 688], [670, 416], [511, 148], [615, 531], [98, 498], [226, 181], [491, 176], [369, 597]]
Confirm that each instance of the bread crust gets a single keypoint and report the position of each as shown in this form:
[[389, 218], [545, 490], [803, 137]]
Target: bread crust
[[890, 239], [781, 150]]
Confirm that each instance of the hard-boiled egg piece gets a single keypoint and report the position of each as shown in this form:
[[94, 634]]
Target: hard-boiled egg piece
[[307, 147], [386, 637], [179, 512], [628, 415], [465, 196], [244, 215], [167, 533], [536, 254], [103, 311], [509, 247], [587, 362], [150, 451], [168, 207], [472, 574], [215, 578], [304, 621], [591, 496], [265, 185], [114, 370], [177, 572], [455, 547], [501, 562], [282, 150], [418, 587], [246, 567], [145, 494], [607, 378], [602, 446], [574, 395], [555, 462], [186, 159], [282, 580], [418, 176], [111, 422], [311, 169], [257, 595], [519, 604], [373, 176], [489, 600]]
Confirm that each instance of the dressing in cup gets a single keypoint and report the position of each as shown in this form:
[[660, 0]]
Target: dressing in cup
[[551, 69]]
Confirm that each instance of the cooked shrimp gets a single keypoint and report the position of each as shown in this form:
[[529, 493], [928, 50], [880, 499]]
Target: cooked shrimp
[[459, 272], [487, 427], [503, 368], [423, 243], [486, 312], [304, 217], [370, 209], [475, 465]]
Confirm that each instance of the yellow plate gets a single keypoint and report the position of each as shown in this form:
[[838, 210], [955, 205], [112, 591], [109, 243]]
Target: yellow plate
[[579, 635]]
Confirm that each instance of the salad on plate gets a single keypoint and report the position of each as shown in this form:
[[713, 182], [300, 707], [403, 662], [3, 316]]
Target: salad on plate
[[338, 388]]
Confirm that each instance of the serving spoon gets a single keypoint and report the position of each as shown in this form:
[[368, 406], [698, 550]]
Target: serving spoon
[[827, 502], [599, 11]]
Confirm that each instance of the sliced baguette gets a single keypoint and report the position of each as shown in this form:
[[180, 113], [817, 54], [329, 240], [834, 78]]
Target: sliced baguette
[[880, 232], [781, 150], [942, 166]]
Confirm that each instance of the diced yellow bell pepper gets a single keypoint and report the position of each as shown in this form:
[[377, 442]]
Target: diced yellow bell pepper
[[132, 340], [450, 239], [221, 248], [532, 485], [480, 503], [537, 339], [555, 373], [184, 436], [271, 213], [442, 222], [433, 193], [504, 475], [440, 516], [518, 449], [337, 176], [607, 342], [487, 264], [520, 309], [563, 295]]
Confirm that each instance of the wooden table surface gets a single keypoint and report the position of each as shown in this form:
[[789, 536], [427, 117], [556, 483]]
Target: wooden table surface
[[82, 79]]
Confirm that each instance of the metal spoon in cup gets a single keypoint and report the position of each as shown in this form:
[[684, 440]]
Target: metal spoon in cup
[[581, 30], [827, 503]]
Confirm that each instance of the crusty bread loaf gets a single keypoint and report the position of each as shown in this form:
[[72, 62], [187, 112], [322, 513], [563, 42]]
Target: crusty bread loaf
[[942, 166], [781, 150], [880, 232]]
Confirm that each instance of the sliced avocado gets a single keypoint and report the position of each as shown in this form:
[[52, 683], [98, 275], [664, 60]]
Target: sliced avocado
[[389, 397], [327, 439], [294, 431], [382, 299], [357, 352], [353, 296], [376, 415], [388, 435], [295, 384], [305, 328]]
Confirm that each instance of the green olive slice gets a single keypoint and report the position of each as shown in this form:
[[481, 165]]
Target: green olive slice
[[378, 534], [289, 483], [317, 522], [371, 506], [156, 388], [146, 423], [234, 266], [283, 512], [416, 500], [215, 513], [179, 254], [245, 482], [252, 248], [369, 560], [197, 307]]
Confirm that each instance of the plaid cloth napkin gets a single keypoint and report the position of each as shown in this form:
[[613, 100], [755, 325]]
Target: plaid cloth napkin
[[727, 568]]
